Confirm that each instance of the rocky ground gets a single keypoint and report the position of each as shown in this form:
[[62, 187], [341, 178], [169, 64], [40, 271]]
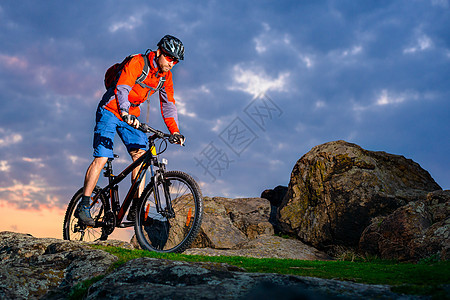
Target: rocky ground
[[32, 268]]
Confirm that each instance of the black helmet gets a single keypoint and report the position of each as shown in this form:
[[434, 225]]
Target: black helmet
[[172, 46]]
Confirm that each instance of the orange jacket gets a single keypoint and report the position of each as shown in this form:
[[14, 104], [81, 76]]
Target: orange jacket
[[128, 95]]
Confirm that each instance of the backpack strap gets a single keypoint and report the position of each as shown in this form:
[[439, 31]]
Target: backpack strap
[[145, 71], [144, 75]]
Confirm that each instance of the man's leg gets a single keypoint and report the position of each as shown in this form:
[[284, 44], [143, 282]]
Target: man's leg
[[105, 129], [92, 174], [135, 154], [136, 143]]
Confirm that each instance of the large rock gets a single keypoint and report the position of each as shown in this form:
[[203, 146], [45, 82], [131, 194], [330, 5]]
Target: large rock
[[229, 222], [250, 216], [337, 188], [412, 232], [241, 227]]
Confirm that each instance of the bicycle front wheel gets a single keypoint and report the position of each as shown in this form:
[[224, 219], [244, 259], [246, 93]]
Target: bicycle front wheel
[[175, 226], [77, 231]]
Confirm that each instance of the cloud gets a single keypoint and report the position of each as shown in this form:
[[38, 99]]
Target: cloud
[[8, 139], [13, 62], [338, 69], [4, 166], [257, 82], [320, 104], [422, 43], [440, 3], [35, 161], [74, 159], [353, 51], [30, 195], [273, 41], [385, 98], [131, 23], [182, 110], [263, 40]]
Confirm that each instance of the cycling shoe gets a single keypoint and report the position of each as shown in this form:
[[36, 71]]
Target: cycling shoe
[[83, 213]]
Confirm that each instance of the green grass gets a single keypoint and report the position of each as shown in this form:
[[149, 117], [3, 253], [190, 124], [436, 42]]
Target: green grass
[[80, 290], [427, 277]]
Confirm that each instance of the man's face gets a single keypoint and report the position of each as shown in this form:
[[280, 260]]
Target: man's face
[[165, 62]]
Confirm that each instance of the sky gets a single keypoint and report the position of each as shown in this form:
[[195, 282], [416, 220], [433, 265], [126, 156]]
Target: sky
[[261, 84]]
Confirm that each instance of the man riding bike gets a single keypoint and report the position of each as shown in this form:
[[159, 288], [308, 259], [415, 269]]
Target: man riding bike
[[119, 108]]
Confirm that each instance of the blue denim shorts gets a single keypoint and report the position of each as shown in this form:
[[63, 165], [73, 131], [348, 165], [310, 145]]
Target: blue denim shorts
[[106, 126]]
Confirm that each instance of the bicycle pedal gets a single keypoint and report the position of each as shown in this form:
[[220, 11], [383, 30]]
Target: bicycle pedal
[[99, 224], [126, 224]]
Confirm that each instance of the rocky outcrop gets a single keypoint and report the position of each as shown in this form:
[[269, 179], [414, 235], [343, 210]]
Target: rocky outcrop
[[412, 232], [32, 268], [241, 227], [337, 188], [229, 222]]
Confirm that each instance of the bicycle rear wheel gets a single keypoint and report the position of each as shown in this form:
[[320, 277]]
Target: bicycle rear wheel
[[77, 231], [163, 231]]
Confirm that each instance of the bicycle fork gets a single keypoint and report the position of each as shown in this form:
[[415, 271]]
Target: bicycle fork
[[167, 211]]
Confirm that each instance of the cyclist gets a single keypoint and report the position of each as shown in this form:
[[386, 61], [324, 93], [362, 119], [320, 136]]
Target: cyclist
[[118, 111]]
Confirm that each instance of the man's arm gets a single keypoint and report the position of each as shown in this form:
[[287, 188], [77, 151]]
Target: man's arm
[[168, 108], [122, 98], [124, 85]]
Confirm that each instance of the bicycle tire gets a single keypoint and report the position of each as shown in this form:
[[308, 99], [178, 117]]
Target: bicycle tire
[[73, 230], [174, 234]]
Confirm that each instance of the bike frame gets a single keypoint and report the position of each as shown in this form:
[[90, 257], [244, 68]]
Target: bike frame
[[148, 160]]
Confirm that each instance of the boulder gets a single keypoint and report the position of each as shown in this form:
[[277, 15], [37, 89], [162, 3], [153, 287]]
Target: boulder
[[337, 188], [229, 222], [240, 227], [415, 231]]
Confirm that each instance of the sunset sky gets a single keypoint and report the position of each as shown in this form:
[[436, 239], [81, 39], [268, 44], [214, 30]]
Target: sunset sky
[[261, 84]]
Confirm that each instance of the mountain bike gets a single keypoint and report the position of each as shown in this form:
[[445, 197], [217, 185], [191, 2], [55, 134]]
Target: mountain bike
[[169, 211]]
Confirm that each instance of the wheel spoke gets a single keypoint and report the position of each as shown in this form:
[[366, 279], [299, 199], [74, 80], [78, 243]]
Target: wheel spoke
[[74, 230], [176, 233]]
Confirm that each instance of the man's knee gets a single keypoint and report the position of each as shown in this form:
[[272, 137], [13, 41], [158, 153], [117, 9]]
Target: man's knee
[[136, 153], [99, 161]]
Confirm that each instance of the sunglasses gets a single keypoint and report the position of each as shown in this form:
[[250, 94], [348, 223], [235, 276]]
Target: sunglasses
[[170, 58]]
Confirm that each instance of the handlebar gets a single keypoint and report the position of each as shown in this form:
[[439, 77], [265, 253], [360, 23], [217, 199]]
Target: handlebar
[[158, 134], [147, 129]]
